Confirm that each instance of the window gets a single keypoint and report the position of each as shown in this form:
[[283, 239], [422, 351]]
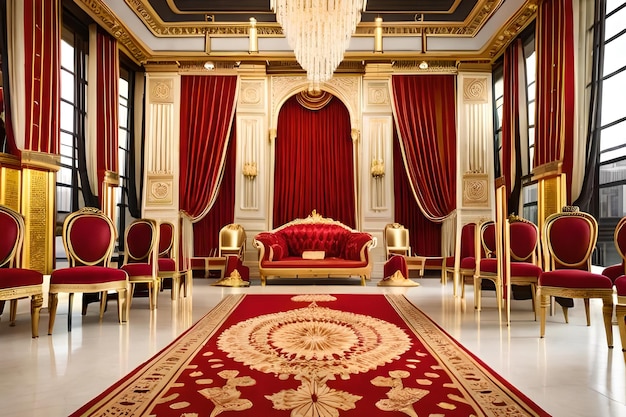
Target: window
[[529, 187], [124, 142], [611, 198], [498, 94], [73, 114]]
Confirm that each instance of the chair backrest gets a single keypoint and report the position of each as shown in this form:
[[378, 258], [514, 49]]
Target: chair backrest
[[467, 240], [186, 241], [569, 239], [619, 239], [141, 242], [12, 237], [488, 239], [166, 240], [232, 240], [89, 237], [396, 239], [524, 240]]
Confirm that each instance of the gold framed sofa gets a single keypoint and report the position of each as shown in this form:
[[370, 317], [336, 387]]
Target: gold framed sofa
[[314, 247]]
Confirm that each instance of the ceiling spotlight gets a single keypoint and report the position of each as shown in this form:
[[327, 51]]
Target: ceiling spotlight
[[209, 65], [423, 65]]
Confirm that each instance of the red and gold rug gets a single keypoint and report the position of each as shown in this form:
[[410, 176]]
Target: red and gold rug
[[313, 356]]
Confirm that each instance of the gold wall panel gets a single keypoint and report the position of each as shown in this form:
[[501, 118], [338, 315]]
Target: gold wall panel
[[476, 190], [38, 210], [10, 179]]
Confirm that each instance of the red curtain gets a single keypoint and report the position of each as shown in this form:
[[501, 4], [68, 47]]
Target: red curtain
[[107, 83], [206, 114], [42, 36], [424, 107], [554, 127], [206, 231], [425, 235], [512, 125], [314, 166]]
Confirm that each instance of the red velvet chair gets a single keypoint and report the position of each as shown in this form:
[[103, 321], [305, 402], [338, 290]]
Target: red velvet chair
[[17, 282], [467, 259], [522, 245], [485, 263], [167, 263], [619, 238], [569, 239], [141, 257], [620, 308], [89, 238]]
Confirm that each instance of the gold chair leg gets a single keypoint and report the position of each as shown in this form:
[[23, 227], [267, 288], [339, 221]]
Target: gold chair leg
[[498, 285], [543, 309], [533, 291], [586, 301], [103, 303], [69, 312], [478, 294], [620, 312], [607, 314], [53, 301], [565, 314], [36, 301], [12, 312]]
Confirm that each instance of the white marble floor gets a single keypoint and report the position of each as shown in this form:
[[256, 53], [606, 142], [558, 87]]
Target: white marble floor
[[569, 373]]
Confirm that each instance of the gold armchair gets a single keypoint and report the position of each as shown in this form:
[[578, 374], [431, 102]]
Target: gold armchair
[[232, 241], [397, 242]]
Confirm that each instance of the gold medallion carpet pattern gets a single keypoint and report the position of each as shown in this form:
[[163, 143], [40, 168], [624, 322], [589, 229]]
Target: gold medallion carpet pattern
[[317, 355]]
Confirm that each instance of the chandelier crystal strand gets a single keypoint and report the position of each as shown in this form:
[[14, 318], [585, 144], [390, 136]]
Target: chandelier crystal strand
[[319, 32]]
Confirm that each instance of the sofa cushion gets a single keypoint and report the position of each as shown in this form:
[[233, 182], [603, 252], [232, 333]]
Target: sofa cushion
[[296, 262], [327, 237]]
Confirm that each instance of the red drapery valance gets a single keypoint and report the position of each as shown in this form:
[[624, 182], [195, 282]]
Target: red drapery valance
[[206, 114], [555, 107], [314, 166], [424, 108]]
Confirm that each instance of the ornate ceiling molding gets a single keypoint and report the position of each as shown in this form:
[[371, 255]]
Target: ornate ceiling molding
[[159, 28], [101, 13], [514, 26], [141, 53]]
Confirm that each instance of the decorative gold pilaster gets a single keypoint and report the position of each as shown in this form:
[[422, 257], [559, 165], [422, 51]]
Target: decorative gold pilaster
[[10, 181], [38, 190], [111, 181], [551, 191]]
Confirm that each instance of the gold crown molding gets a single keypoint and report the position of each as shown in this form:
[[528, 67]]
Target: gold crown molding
[[469, 27], [101, 13], [433, 67], [41, 160], [514, 27], [8, 160]]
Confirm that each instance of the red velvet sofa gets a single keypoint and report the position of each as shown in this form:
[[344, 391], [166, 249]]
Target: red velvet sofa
[[338, 250]]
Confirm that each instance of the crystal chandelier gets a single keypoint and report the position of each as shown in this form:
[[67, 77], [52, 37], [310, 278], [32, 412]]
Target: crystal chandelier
[[319, 32]]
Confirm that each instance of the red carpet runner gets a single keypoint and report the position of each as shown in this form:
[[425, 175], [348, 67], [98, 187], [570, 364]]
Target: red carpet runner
[[313, 356]]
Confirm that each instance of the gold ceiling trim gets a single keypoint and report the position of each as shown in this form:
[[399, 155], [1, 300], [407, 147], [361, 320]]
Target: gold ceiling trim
[[512, 28], [101, 13], [436, 66], [469, 27], [137, 50]]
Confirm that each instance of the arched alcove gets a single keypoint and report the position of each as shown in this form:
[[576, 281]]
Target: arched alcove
[[314, 160]]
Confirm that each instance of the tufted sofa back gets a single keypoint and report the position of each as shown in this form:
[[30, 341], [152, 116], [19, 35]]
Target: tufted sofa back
[[323, 237]]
